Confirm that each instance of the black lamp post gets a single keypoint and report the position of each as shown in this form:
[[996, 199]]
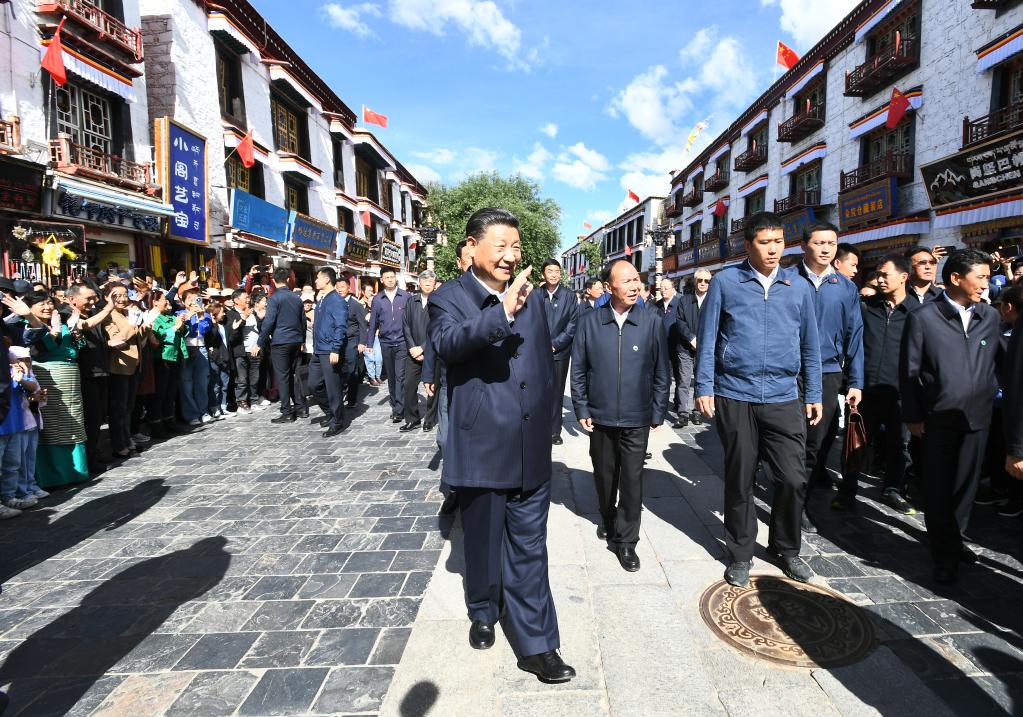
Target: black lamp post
[[659, 236], [429, 235]]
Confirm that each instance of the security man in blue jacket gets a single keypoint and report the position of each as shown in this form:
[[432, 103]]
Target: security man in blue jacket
[[620, 381], [356, 344], [330, 338], [757, 338], [562, 310], [947, 374], [492, 336], [386, 316], [840, 328]]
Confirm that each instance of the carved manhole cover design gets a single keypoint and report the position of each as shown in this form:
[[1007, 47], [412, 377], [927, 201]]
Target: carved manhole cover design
[[788, 623]]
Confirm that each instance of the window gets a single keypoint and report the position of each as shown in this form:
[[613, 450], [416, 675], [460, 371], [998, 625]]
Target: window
[[811, 97], [346, 220], [886, 141], [808, 180], [246, 179], [366, 180], [694, 234], [387, 199], [756, 202], [288, 129], [229, 84], [296, 196], [86, 117], [339, 165], [902, 26], [758, 138], [698, 183], [1007, 88]]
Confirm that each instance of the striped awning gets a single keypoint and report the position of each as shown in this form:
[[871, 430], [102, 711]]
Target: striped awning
[[871, 22], [695, 172], [279, 74], [91, 71], [804, 80], [218, 22], [112, 196], [758, 183], [1000, 50], [894, 228], [875, 119], [762, 117], [1001, 208], [818, 151], [693, 219], [718, 152]]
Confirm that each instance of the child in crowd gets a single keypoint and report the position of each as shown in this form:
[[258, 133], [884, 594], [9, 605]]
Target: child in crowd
[[18, 488]]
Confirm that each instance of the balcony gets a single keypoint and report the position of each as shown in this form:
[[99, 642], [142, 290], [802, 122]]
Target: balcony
[[107, 28], [751, 159], [10, 136], [802, 124], [717, 181], [673, 209], [736, 246], [800, 200], [693, 198], [711, 237], [898, 165], [989, 4], [997, 123], [739, 225], [878, 71], [72, 158]]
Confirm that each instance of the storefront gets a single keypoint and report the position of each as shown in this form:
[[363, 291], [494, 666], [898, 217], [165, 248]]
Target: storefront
[[20, 199], [353, 252], [314, 243], [258, 234]]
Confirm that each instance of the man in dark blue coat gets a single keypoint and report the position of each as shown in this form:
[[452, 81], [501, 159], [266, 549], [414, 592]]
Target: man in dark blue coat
[[493, 339], [620, 380], [330, 338], [356, 344], [283, 330], [385, 317], [562, 313]]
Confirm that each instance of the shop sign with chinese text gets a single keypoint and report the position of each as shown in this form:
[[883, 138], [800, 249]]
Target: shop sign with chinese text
[[306, 231], [20, 186], [390, 253], [181, 165], [255, 216], [70, 204], [989, 169], [872, 202]]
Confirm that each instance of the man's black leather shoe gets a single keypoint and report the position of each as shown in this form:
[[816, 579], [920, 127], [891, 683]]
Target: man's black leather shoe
[[450, 504], [628, 558], [548, 666], [427, 427], [737, 574], [556, 440], [602, 531], [680, 422], [806, 525], [331, 432], [696, 417], [396, 419], [284, 418], [304, 413], [410, 426], [481, 635]]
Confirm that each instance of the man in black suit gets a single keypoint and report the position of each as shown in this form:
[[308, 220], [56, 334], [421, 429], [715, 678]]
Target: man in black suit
[[620, 381], [593, 289], [924, 268], [283, 330], [667, 305], [416, 328], [327, 379], [356, 344], [1012, 402], [947, 372], [562, 312], [688, 319], [492, 336]]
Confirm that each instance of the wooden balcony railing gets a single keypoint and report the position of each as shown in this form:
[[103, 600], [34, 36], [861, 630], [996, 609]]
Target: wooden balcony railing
[[998, 122], [803, 124], [876, 72], [673, 209], [751, 159], [739, 225], [10, 136], [717, 181], [736, 245], [107, 27], [893, 164], [988, 4], [712, 236], [694, 198], [800, 200], [67, 156]]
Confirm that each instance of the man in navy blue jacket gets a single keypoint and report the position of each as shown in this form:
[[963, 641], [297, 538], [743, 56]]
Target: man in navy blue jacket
[[562, 313], [356, 344], [757, 339], [330, 338], [492, 336], [620, 381], [283, 330], [840, 328], [386, 317]]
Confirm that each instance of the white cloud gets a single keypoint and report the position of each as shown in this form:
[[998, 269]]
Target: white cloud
[[654, 106], [350, 18], [590, 157], [437, 156], [423, 173], [810, 20], [550, 129], [533, 167], [482, 22], [602, 216], [581, 167]]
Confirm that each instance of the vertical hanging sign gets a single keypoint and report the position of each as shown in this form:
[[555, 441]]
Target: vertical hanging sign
[[181, 166]]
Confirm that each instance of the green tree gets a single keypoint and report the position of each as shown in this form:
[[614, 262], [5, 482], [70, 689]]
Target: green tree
[[451, 207], [593, 255]]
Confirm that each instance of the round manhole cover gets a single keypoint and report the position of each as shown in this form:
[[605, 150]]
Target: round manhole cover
[[788, 623]]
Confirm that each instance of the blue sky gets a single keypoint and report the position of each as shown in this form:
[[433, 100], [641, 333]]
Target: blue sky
[[587, 98]]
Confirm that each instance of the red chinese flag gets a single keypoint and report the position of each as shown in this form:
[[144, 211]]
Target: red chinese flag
[[628, 250], [371, 117], [720, 208], [896, 108], [366, 221], [53, 60], [633, 196], [787, 57], [247, 150], [412, 245], [587, 225]]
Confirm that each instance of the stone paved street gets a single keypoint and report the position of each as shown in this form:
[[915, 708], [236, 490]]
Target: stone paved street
[[222, 575]]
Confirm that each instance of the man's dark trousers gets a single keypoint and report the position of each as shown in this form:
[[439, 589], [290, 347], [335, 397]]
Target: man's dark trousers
[[951, 470], [509, 566], [394, 364], [352, 371], [413, 377], [94, 405], [682, 372], [617, 455], [880, 407], [326, 384], [560, 379], [285, 359], [817, 436], [776, 433]]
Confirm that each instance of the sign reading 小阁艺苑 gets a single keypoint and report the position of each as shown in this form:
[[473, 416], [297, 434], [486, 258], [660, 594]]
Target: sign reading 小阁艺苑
[[988, 169], [181, 165]]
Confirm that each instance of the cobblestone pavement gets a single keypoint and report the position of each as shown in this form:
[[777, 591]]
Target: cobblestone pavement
[[243, 569]]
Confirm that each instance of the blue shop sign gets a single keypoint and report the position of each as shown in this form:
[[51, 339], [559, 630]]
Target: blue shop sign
[[795, 223], [185, 178], [306, 231], [255, 216], [872, 202]]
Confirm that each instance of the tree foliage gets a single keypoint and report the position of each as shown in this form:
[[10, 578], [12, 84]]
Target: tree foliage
[[593, 255], [451, 207]]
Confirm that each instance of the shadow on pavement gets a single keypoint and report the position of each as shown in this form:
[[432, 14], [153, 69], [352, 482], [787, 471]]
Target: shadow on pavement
[[79, 647], [419, 700]]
